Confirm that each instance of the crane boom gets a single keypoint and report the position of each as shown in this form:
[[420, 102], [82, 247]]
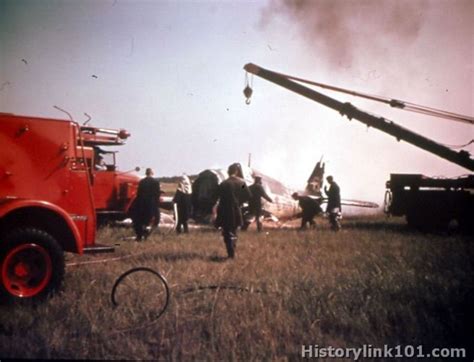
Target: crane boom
[[461, 158]]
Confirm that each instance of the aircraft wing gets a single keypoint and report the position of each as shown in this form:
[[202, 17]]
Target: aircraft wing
[[166, 202], [360, 203]]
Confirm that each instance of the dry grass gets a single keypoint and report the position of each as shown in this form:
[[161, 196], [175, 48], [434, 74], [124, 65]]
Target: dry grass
[[373, 283]]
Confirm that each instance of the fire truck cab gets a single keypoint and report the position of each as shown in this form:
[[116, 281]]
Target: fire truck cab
[[113, 190], [46, 203]]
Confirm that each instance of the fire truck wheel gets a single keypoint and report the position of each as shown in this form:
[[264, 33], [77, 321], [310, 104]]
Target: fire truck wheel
[[32, 265]]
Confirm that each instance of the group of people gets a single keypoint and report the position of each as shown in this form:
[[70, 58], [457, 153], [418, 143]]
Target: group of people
[[145, 212], [232, 194], [310, 207]]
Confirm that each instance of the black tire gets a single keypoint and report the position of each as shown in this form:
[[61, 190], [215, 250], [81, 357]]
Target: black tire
[[31, 265], [428, 220], [466, 224]]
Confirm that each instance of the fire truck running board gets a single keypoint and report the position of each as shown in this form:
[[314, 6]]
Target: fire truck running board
[[99, 249]]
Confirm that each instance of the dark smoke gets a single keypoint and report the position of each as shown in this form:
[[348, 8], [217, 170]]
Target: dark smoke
[[342, 28]]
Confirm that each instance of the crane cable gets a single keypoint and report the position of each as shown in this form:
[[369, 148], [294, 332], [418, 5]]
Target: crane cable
[[395, 103], [460, 146]]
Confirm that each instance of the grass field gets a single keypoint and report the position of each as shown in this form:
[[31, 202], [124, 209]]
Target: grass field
[[375, 282]]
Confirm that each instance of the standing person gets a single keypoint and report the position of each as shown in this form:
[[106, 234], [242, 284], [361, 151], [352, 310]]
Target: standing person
[[334, 203], [255, 203], [309, 209], [232, 193], [182, 198], [145, 208]]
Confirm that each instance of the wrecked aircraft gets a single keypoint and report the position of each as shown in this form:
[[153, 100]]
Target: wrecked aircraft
[[284, 207]]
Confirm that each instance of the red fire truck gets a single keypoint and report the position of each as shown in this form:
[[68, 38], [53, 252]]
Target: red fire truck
[[47, 202], [113, 190]]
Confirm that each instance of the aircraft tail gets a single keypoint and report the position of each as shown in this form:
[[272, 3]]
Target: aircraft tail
[[316, 179]]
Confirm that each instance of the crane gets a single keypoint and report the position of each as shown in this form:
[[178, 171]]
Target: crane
[[426, 202]]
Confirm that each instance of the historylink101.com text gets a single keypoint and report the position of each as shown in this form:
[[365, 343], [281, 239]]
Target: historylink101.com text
[[385, 351]]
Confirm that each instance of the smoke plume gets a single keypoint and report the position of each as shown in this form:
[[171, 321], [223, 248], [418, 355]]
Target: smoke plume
[[340, 28]]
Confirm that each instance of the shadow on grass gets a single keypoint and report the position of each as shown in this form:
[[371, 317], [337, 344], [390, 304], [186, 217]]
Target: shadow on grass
[[176, 256], [401, 227], [377, 225], [217, 259]]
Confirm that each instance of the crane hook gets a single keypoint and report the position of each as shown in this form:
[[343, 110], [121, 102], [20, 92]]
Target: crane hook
[[248, 88], [248, 94]]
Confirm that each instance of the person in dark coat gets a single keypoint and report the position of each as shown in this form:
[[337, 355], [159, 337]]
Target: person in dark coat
[[333, 208], [182, 198], [255, 202], [232, 193], [310, 207], [145, 208]]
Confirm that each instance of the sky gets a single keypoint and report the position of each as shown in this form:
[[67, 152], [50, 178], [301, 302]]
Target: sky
[[171, 73]]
